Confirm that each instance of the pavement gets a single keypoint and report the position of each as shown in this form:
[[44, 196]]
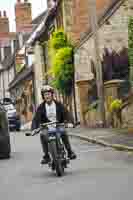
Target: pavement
[[98, 173], [118, 139]]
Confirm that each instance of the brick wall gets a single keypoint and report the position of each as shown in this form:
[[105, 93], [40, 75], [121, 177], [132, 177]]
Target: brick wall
[[80, 19], [76, 16], [23, 14]]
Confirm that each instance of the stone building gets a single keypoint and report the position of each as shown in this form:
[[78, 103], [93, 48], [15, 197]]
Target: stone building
[[76, 23], [113, 39]]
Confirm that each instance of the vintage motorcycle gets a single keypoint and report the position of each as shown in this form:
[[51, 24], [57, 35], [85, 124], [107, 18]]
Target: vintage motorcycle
[[58, 157]]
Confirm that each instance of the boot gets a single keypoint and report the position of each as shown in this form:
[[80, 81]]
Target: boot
[[45, 159], [66, 142]]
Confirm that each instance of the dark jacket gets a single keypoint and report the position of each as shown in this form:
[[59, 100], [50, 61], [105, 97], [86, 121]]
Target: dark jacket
[[40, 115]]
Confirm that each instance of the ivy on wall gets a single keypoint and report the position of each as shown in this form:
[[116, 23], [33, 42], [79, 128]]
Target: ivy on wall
[[62, 68]]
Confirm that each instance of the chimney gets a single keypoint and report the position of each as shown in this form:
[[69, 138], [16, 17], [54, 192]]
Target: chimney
[[4, 23], [4, 13], [23, 15], [51, 3]]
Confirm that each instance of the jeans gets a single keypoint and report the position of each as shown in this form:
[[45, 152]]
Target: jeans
[[44, 141]]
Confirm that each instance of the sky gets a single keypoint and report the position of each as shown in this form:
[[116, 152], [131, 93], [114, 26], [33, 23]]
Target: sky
[[38, 6]]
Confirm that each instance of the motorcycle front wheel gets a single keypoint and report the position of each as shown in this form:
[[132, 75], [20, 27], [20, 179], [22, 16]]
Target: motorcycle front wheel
[[57, 161]]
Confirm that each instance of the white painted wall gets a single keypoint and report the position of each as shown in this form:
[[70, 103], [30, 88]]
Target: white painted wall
[[6, 77]]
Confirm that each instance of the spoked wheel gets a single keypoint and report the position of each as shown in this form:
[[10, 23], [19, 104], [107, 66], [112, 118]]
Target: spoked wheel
[[57, 161]]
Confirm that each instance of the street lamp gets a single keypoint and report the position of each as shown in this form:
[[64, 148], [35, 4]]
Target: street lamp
[[99, 76]]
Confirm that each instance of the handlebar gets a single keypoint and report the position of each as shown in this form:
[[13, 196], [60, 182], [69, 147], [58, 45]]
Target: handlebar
[[33, 133], [50, 123], [44, 125]]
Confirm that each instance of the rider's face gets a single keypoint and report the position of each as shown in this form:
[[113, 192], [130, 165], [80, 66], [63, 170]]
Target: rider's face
[[48, 96]]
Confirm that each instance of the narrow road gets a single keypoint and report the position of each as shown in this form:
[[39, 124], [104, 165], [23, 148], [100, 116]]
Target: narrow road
[[98, 174]]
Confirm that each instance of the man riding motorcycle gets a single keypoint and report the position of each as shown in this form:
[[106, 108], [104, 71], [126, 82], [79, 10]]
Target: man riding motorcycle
[[51, 110]]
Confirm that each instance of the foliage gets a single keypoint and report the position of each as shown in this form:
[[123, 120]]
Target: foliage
[[93, 106], [62, 69], [115, 105], [62, 63], [18, 67], [58, 40]]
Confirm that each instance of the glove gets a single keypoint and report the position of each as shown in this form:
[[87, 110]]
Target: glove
[[34, 132], [70, 125]]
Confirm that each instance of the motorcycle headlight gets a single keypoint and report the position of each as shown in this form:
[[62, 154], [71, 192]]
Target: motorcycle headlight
[[13, 114]]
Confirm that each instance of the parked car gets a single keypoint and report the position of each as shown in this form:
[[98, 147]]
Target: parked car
[[6, 100], [13, 117], [5, 148]]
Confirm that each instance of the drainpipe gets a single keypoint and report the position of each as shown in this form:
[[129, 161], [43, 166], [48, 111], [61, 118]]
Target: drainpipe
[[74, 93], [100, 85], [3, 85]]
